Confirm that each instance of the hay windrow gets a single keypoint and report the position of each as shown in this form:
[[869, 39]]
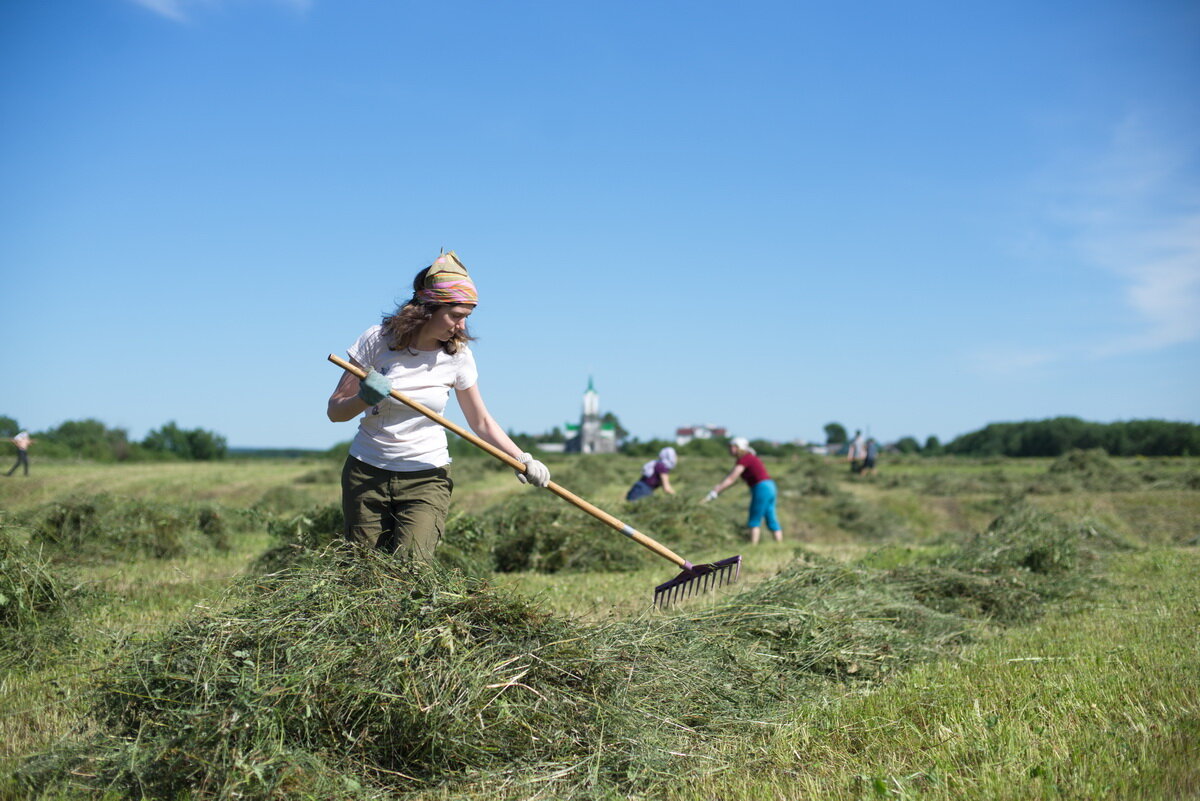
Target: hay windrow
[[1025, 558], [359, 671], [1088, 470], [108, 527]]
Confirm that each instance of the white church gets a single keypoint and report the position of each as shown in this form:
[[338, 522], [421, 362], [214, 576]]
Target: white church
[[591, 435]]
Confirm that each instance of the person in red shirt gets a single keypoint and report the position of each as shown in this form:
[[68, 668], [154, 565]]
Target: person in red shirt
[[750, 468]]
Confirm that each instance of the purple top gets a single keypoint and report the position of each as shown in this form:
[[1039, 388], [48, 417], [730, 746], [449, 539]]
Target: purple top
[[655, 479]]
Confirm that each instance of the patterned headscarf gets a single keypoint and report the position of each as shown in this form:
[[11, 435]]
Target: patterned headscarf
[[447, 282]]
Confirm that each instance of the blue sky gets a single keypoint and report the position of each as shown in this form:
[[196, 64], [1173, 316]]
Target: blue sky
[[912, 218]]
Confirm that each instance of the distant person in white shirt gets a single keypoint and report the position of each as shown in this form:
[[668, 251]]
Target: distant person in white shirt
[[22, 440], [396, 484]]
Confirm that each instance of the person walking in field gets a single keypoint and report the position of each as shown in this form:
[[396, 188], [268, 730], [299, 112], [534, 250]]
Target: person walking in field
[[872, 453], [655, 474], [396, 483], [750, 469], [857, 452], [22, 440]]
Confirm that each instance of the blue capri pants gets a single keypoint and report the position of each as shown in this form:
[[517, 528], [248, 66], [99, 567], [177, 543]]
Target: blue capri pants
[[762, 504]]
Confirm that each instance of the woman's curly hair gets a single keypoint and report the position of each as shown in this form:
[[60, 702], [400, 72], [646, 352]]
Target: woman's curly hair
[[401, 326]]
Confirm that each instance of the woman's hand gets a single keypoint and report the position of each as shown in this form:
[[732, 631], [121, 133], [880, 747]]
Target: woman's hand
[[535, 473], [374, 388]]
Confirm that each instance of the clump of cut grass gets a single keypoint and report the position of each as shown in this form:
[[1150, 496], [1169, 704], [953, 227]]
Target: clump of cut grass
[[392, 672], [1022, 538], [1008, 572], [1090, 470], [298, 537], [466, 545], [1002, 599], [543, 533], [823, 617], [680, 522], [34, 603], [107, 527]]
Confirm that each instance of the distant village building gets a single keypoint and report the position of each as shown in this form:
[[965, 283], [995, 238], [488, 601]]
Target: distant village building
[[591, 435], [685, 435]]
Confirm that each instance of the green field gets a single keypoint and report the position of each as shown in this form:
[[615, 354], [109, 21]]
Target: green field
[[945, 629]]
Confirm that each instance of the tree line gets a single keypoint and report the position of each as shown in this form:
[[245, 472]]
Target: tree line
[[1054, 437], [1058, 435], [93, 440]]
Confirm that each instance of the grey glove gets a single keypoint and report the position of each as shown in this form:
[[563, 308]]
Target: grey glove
[[711, 496], [535, 473], [374, 388]]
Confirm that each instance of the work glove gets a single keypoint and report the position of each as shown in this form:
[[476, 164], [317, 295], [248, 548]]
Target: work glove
[[711, 496], [535, 473], [374, 388]]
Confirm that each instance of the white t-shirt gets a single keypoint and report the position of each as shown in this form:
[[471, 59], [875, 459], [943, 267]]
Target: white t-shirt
[[391, 435]]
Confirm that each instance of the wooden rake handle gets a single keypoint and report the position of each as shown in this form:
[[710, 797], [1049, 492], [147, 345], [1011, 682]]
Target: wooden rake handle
[[515, 464]]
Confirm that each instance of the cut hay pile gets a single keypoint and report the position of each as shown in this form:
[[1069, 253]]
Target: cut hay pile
[[1090, 470], [541, 532], [1025, 557], [34, 603], [361, 667], [354, 674], [108, 527]]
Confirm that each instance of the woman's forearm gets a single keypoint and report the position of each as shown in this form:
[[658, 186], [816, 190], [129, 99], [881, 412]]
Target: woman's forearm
[[491, 432], [341, 410]]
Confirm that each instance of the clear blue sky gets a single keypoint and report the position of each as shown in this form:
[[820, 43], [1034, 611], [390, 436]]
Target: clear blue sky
[[914, 218]]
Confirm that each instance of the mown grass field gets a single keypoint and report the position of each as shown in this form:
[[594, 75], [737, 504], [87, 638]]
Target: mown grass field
[[944, 629]]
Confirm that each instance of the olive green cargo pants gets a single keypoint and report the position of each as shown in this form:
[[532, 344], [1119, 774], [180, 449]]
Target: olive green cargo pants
[[396, 512]]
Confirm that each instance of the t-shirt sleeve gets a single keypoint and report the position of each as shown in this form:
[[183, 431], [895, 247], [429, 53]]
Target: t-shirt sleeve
[[366, 347], [467, 374]]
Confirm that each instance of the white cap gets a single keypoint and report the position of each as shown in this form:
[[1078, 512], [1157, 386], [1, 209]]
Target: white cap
[[741, 443]]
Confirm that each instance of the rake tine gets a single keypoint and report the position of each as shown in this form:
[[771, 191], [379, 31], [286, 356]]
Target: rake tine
[[697, 580]]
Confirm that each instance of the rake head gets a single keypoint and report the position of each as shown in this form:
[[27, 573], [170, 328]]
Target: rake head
[[696, 579]]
